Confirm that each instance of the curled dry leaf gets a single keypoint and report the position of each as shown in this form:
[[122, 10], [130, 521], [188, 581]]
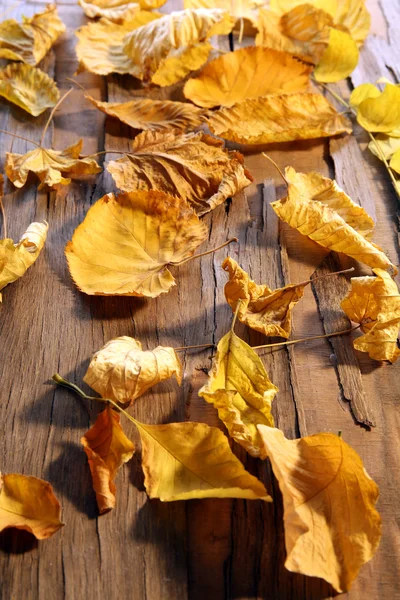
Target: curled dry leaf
[[126, 243], [30, 40], [262, 309], [331, 525], [15, 259], [374, 303], [107, 449], [193, 166], [241, 391], [270, 119], [28, 87], [182, 461], [339, 59], [122, 371], [53, 167], [377, 111], [29, 503], [117, 10], [247, 73], [335, 223]]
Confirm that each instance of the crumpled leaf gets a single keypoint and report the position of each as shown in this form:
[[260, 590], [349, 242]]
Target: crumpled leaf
[[188, 460], [240, 9], [117, 10], [126, 243], [331, 525], [155, 115], [122, 371], [247, 73], [28, 87], [285, 118], [339, 59], [377, 111], [107, 449], [319, 220], [29, 503], [241, 391], [15, 259], [262, 309], [193, 166], [374, 303], [30, 40], [53, 167]]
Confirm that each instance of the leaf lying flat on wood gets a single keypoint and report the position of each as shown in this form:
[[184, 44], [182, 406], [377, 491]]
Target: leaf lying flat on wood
[[28, 87]]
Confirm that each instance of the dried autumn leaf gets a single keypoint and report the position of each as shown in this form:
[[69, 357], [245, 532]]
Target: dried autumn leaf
[[193, 166], [52, 167], [107, 449], [339, 59], [247, 73], [29, 503], [319, 219], [241, 391], [240, 9], [28, 87], [15, 259], [117, 10], [374, 303], [30, 40], [284, 118], [388, 147], [126, 243], [122, 371], [331, 525], [182, 461], [377, 112], [262, 309]]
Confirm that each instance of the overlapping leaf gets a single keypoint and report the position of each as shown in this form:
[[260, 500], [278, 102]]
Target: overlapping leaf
[[117, 10], [28, 87], [339, 59], [377, 111], [240, 9]]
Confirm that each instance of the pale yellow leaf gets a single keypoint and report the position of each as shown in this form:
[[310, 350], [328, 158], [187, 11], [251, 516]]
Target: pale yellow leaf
[[388, 146], [395, 159], [240, 9], [117, 10], [28, 87]]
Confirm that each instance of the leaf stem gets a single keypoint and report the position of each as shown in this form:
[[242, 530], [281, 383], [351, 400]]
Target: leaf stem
[[235, 315], [20, 137], [182, 348], [61, 100], [103, 152], [76, 83], [3, 212], [349, 270], [307, 339], [276, 167], [179, 264]]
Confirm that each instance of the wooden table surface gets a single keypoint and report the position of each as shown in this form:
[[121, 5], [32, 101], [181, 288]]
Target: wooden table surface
[[205, 549]]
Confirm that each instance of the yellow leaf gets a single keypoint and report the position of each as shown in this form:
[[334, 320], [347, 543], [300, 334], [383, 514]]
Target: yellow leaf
[[29, 503], [156, 115], [182, 461], [363, 91], [28, 87], [15, 259], [247, 73], [262, 309], [374, 303], [284, 118], [122, 371], [388, 146], [241, 391], [240, 9], [117, 10], [331, 525], [30, 40], [125, 244], [380, 113], [395, 160], [194, 167], [107, 449], [339, 59], [52, 167], [321, 222]]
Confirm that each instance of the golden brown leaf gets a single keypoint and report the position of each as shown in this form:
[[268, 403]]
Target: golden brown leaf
[[52, 167], [262, 309], [107, 449], [30, 40], [122, 371], [284, 118], [28, 87], [331, 525], [241, 391], [117, 10], [247, 73], [29, 503], [374, 303], [339, 59], [126, 243], [194, 167]]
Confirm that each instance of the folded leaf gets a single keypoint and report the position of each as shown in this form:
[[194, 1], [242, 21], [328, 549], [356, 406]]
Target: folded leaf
[[241, 391], [331, 525], [374, 303], [125, 244], [117, 10], [53, 167], [362, 92], [29, 503], [15, 259], [193, 166], [247, 73], [122, 371], [28, 87], [339, 59], [182, 461], [379, 113], [107, 449], [30, 40], [262, 309], [284, 118]]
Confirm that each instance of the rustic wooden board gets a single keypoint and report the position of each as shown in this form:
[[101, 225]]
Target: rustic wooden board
[[212, 549]]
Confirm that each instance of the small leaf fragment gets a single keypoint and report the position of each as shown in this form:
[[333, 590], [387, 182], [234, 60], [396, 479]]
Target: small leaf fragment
[[28, 87]]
